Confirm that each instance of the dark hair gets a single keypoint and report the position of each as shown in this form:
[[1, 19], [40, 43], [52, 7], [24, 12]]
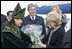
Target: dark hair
[[30, 5], [9, 12], [12, 24]]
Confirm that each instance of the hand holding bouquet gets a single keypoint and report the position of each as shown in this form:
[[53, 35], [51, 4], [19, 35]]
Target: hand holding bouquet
[[33, 31]]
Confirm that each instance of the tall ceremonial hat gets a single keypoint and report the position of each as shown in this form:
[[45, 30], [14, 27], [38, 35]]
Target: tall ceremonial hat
[[18, 13]]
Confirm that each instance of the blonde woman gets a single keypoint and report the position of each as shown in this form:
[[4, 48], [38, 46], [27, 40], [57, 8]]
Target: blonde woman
[[55, 36], [55, 8], [63, 17]]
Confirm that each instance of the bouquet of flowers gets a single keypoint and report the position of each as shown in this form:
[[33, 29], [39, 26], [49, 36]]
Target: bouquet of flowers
[[34, 32]]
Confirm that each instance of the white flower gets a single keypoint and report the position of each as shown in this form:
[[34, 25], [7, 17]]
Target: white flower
[[33, 31]]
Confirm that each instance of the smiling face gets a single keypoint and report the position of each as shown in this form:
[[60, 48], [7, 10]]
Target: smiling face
[[32, 11], [18, 22]]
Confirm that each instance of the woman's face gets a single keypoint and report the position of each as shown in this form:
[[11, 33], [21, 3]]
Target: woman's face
[[51, 24], [54, 9], [18, 22], [60, 11]]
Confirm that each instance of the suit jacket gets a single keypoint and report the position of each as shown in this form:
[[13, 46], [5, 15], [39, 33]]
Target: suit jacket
[[39, 20]]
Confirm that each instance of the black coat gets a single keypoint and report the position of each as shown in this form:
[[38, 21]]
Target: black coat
[[12, 41], [56, 38], [39, 20], [3, 18], [67, 40], [4, 21]]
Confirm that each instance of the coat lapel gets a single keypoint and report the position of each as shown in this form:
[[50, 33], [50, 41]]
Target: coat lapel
[[51, 33]]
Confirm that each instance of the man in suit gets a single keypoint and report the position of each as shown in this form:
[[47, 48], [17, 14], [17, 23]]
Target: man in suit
[[32, 18]]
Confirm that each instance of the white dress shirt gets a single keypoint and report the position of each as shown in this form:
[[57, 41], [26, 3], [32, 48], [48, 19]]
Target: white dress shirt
[[34, 17]]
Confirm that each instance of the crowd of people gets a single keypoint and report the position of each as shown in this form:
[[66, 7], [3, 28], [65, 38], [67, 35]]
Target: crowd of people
[[13, 37]]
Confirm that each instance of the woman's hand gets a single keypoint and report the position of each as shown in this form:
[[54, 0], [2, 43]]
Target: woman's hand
[[42, 45]]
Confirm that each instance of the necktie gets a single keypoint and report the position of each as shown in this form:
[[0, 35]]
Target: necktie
[[33, 18]]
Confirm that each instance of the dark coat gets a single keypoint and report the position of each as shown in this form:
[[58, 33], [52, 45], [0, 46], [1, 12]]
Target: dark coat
[[64, 20], [3, 18], [12, 41], [56, 38], [67, 40], [4, 21], [39, 20], [12, 38]]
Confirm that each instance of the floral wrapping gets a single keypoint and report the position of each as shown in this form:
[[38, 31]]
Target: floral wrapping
[[34, 32]]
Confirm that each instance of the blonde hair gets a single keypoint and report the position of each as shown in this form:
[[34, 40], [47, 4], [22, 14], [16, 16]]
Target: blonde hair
[[54, 17], [57, 7]]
